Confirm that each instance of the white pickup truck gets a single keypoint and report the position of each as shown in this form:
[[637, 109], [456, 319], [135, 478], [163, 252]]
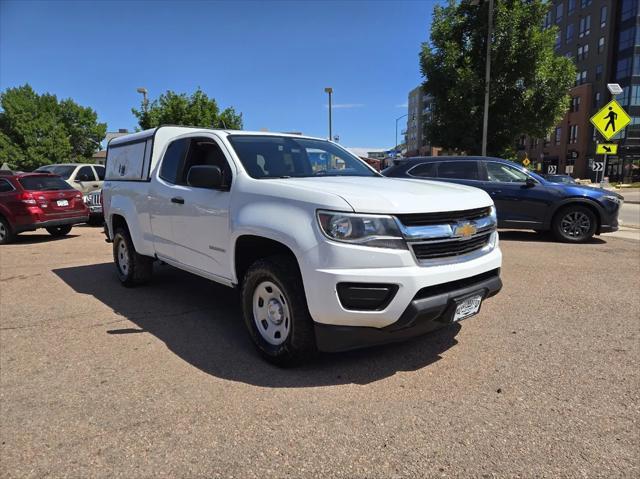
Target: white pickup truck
[[329, 254]]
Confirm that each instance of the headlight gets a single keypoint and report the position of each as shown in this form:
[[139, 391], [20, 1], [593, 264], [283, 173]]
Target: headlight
[[366, 230], [493, 214], [613, 199]]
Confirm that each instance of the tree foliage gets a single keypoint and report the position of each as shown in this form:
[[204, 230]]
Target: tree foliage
[[38, 130], [180, 109], [529, 83]]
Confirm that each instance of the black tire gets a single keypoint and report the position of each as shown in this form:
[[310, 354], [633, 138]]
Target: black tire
[[57, 231], [97, 220], [132, 268], [299, 344], [6, 233], [574, 224]]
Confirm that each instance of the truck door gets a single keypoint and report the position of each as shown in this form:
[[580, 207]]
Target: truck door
[[201, 229]]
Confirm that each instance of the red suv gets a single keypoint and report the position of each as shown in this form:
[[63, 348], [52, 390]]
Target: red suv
[[38, 200]]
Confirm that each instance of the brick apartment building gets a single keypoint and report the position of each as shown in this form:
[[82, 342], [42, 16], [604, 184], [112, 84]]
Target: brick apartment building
[[419, 105], [603, 39]]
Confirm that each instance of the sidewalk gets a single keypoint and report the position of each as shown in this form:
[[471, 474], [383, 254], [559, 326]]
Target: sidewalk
[[631, 195]]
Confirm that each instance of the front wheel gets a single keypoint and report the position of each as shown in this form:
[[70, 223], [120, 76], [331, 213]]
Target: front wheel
[[132, 268], [57, 231], [574, 224], [275, 311]]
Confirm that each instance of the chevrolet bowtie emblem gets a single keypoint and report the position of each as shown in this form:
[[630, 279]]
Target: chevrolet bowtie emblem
[[465, 230]]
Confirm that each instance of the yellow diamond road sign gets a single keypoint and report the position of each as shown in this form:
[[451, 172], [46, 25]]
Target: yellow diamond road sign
[[607, 149], [610, 119]]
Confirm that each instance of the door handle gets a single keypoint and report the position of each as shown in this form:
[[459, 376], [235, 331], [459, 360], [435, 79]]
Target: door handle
[[495, 192], [96, 186], [177, 200]]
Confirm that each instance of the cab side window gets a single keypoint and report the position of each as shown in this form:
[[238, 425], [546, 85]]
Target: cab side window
[[502, 173], [173, 160], [85, 174], [206, 151], [99, 172]]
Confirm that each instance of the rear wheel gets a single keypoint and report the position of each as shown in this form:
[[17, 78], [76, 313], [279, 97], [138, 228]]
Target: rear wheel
[[132, 268], [574, 224], [58, 231], [6, 234], [275, 311]]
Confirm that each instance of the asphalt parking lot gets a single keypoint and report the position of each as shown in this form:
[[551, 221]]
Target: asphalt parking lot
[[162, 381]]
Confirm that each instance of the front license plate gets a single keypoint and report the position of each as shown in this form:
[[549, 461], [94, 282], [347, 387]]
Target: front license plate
[[63, 203], [467, 307]]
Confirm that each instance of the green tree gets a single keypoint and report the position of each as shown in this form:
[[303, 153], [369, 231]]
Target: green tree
[[173, 108], [38, 130], [529, 82]]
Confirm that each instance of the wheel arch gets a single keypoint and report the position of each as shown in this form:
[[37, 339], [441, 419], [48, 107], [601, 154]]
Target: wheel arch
[[579, 201], [248, 248]]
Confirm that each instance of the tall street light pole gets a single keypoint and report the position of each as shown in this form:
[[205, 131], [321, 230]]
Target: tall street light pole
[[397, 119], [329, 90], [145, 101], [487, 76]]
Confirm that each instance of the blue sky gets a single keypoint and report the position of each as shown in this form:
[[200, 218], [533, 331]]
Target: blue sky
[[270, 60]]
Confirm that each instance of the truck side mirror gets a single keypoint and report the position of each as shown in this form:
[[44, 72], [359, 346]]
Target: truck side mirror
[[205, 176]]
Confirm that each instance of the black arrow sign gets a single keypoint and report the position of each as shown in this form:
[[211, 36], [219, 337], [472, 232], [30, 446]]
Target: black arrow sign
[[606, 148]]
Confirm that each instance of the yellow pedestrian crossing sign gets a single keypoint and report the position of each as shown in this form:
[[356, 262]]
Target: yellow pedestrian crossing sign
[[607, 149], [610, 119]]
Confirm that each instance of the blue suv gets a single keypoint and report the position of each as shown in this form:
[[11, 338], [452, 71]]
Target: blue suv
[[523, 199]]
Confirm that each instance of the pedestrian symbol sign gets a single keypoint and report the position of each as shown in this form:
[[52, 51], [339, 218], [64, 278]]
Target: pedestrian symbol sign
[[607, 149], [610, 119]]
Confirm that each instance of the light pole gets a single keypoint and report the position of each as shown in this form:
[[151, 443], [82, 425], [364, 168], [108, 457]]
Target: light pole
[[145, 101], [487, 76], [397, 119], [329, 90]]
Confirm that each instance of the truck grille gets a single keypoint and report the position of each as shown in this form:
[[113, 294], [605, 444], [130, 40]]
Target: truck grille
[[423, 219], [450, 247], [93, 199]]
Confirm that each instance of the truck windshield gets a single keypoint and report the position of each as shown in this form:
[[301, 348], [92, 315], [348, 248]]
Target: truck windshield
[[63, 171], [286, 157]]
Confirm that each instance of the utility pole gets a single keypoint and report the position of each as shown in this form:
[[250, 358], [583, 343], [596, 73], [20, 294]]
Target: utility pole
[[399, 118], [487, 78], [329, 90]]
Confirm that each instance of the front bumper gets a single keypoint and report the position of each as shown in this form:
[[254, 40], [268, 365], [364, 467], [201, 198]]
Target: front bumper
[[430, 309]]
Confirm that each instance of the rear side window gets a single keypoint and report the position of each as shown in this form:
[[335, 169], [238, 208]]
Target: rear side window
[[99, 172], [459, 170], [504, 173], [5, 186], [44, 183], [173, 160], [427, 170], [85, 174]]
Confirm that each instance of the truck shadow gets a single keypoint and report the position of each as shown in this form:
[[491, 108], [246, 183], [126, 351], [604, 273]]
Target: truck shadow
[[201, 322], [543, 237]]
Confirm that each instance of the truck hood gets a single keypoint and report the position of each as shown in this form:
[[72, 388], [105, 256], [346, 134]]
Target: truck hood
[[394, 195]]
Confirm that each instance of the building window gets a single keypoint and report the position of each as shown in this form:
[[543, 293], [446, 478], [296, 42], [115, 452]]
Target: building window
[[547, 20], [583, 52], [636, 64], [626, 39], [585, 26], [569, 34], [585, 3], [635, 95], [628, 9], [575, 104], [559, 10], [597, 99], [573, 134], [598, 72], [600, 44], [571, 6], [558, 135], [558, 39], [581, 77], [623, 68], [603, 16]]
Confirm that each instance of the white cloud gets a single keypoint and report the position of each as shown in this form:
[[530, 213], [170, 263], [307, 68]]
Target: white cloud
[[346, 105], [403, 105]]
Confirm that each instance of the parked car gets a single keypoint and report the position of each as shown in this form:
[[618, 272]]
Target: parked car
[[83, 177], [523, 199], [331, 259], [29, 201], [566, 179], [93, 201]]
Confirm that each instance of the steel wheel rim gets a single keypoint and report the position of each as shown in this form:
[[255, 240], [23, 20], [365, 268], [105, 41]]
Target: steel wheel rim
[[3, 231], [122, 254], [271, 313], [575, 224]]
